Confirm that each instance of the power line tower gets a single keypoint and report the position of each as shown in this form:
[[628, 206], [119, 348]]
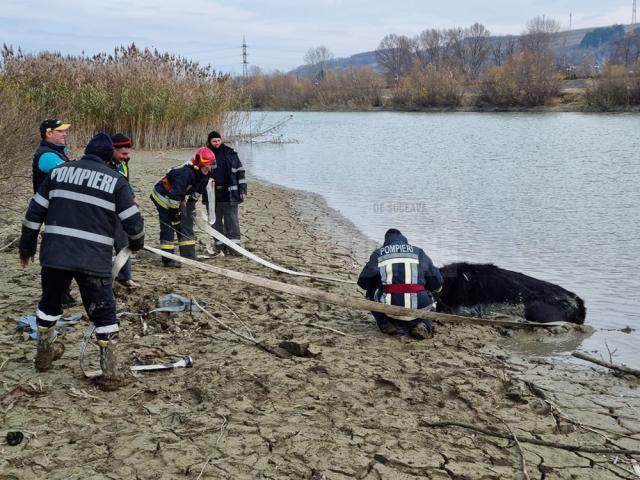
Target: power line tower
[[570, 20], [245, 64], [633, 14]]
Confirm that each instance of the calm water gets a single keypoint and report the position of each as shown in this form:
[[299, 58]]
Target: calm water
[[555, 196]]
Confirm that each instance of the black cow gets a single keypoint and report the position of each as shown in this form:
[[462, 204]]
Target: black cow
[[480, 289]]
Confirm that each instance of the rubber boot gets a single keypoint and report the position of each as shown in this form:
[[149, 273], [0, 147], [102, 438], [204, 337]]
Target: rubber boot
[[169, 262], [420, 332], [48, 349], [108, 359]]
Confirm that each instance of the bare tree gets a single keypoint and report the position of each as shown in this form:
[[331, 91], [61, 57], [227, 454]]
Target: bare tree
[[476, 43], [537, 37], [318, 59], [395, 55], [502, 48], [431, 47]]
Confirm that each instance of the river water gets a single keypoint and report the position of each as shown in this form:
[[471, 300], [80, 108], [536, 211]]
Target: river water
[[552, 195]]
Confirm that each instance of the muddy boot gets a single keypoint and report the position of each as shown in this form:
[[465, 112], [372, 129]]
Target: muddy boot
[[420, 332], [108, 359], [389, 329], [167, 262], [112, 377], [48, 349]]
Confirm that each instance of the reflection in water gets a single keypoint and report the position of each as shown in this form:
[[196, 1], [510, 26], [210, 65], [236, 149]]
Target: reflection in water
[[554, 196]]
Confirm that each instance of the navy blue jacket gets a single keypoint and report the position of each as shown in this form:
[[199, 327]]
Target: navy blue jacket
[[227, 158], [79, 204], [37, 175], [399, 263], [183, 181]]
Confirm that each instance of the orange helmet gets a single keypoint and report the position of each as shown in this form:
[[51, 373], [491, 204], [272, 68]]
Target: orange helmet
[[203, 158]]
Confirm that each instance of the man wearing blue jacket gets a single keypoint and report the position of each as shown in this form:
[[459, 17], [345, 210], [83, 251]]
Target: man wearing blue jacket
[[51, 152], [401, 274], [79, 204]]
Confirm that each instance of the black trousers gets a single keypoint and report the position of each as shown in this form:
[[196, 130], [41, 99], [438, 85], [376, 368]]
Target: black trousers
[[97, 297], [227, 222], [184, 230]]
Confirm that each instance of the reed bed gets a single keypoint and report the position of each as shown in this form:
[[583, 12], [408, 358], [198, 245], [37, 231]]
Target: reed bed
[[160, 100]]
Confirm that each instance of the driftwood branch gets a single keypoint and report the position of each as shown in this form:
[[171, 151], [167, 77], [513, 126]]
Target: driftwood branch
[[534, 441], [602, 363], [523, 462], [257, 343]]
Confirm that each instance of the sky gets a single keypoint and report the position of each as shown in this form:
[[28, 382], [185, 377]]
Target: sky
[[278, 33]]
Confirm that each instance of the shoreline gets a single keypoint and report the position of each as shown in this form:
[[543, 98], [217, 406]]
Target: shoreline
[[357, 406]]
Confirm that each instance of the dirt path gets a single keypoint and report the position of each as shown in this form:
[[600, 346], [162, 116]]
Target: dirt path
[[358, 408]]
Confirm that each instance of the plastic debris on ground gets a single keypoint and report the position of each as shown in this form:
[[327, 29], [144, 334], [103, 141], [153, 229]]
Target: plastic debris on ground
[[28, 324], [172, 302]]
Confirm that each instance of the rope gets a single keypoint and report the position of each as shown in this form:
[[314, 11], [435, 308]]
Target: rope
[[201, 222]]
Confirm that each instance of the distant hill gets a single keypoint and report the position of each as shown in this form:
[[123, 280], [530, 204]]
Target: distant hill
[[565, 45]]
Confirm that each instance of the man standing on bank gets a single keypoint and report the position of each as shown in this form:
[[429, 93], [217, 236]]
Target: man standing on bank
[[120, 163], [79, 204], [230, 187], [51, 152], [401, 274]]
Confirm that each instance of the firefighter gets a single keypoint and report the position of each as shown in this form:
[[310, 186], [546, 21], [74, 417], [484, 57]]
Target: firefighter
[[79, 204], [175, 196], [401, 274]]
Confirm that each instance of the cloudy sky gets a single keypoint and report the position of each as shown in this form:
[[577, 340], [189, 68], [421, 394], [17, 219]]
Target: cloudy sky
[[278, 32]]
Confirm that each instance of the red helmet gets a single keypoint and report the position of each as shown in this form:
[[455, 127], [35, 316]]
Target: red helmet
[[203, 158]]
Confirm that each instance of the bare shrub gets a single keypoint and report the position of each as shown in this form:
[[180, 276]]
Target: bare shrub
[[430, 87], [351, 88], [524, 80], [618, 86]]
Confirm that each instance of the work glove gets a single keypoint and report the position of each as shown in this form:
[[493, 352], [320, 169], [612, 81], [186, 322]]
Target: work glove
[[136, 244]]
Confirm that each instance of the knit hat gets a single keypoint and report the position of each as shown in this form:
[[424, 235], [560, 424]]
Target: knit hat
[[100, 145], [213, 134], [120, 140]]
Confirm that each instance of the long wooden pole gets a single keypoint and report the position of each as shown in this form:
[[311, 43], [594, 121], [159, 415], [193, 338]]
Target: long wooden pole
[[343, 301]]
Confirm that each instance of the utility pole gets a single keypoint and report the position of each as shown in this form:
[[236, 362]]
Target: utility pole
[[245, 64], [633, 14]]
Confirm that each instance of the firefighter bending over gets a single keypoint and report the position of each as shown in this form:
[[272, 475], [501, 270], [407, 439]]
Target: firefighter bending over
[[175, 196], [401, 274]]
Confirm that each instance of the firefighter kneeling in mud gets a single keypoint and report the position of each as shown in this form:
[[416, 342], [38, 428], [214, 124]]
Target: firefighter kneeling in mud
[[79, 204], [175, 196], [401, 274]]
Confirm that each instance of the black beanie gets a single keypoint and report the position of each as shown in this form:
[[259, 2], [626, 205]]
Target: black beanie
[[213, 134], [100, 145]]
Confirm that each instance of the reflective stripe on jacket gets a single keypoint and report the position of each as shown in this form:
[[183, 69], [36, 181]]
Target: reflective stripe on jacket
[[78, 203], [394, 273]]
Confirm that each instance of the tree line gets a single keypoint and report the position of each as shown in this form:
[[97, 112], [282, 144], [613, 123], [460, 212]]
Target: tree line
[[450, 68]]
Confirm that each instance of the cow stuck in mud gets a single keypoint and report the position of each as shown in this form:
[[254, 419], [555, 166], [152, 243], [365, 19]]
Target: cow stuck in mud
[[484, 289]]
